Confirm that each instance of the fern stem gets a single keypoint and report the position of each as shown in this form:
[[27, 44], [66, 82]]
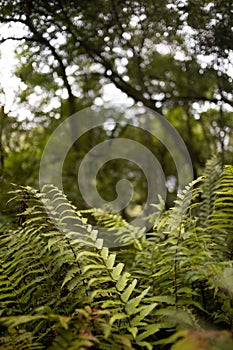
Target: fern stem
[[78, 264], [176, 269]]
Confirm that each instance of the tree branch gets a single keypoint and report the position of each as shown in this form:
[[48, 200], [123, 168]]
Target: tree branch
[[11, 19], [17, 39], [201, 98]]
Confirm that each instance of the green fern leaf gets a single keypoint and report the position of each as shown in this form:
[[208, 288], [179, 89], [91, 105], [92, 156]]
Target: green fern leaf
[[122, 282], [144, 311], [110, 261], [129, 290], [131, 306], [116, 272], [117, 317], [150, 329]]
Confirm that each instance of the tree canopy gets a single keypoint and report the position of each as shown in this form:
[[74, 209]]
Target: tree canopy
[[174, 57], [137, 45]]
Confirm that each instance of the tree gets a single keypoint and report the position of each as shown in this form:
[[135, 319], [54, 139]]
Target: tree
[[168, 56]]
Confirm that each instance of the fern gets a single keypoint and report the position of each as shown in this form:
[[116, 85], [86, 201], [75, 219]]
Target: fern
[[62, 288], [52, 266], [221, 218], [183, 260], [113, 229], [211, 173]]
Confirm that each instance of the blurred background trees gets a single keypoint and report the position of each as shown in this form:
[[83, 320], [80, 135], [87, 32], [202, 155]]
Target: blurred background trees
[[174, 57]]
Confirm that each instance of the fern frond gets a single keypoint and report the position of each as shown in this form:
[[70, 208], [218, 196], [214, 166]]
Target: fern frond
[[113, 229], [183, 204], [61, 288], [211, 174], [221, 217], [67, 219]]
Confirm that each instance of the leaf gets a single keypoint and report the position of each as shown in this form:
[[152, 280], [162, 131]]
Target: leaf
[[122, 282], [14, 321], [131, 306], [144, 311], [133, 331], [129, 290], [117, 271], [150, 329], [104, 253], [110, 261], [117, 317], [70, 274]]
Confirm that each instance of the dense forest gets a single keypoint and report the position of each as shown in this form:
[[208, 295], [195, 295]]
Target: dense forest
[[116, 175]]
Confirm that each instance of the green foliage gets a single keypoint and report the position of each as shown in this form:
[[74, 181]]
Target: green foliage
[[209, 340], [170, 56], [62, 288]]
